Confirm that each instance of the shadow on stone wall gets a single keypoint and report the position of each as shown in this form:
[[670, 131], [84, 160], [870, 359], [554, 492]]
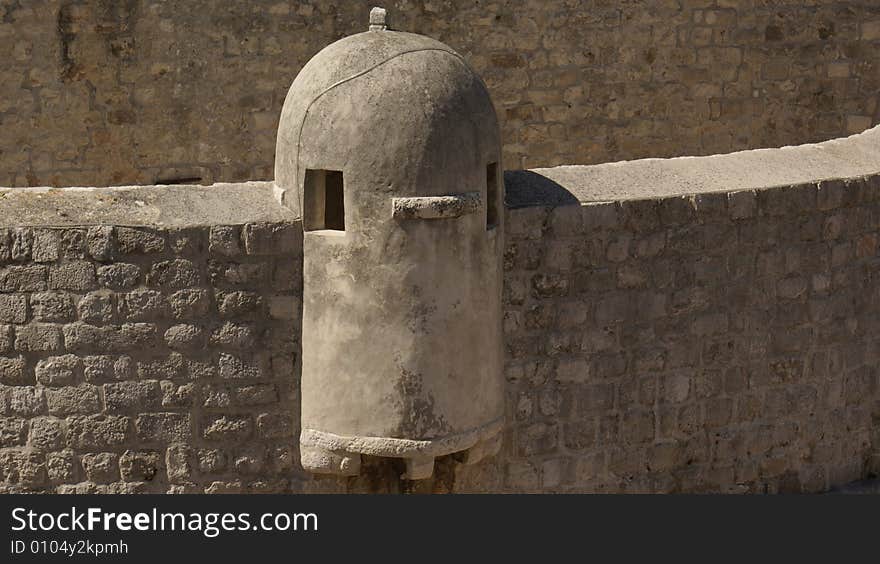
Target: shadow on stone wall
[[526, 188]]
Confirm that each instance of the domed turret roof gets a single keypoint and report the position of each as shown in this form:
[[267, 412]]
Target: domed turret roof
[[406, 95]]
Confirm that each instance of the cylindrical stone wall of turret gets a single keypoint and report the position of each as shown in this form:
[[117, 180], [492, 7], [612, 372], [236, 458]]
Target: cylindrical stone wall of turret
[[389, 147]]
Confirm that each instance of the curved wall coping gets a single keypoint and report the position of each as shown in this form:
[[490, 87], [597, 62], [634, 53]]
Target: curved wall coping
[[252, 202], [849, 157], [148, 206]]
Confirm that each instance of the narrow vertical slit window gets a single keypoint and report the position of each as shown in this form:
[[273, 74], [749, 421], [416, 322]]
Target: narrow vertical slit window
[[323, 200], [491, 195]]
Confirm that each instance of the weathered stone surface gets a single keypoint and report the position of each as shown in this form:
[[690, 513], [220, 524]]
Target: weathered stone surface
[[143, 305], [98, 369], [74, 275], [139, 241], [46, 245], [82, 399], [46, 433], [37, 337], [59, 370], [232, 367], [23, 278], [272, 239], [119, 275], [52, 306], [177, 273], [227, 428], [12, 371], [13, 308], [189, 304], [13, 431], [179, 460], [101, 467], [225, 240], [6, 338], [97, 431], [164, 427], [61, 467], [96, 308], [132, 396], [239, 303], [82, 337], [140, 466], [234, 336], [100, 243], [185, 336]]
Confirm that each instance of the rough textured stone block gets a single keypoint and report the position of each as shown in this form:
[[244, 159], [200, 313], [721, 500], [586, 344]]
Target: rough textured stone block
[[96, 308], [38, 337], [139, 241], [138, 395], [164, 427], [59, 370], [189, 304], [97, 431], [61, 467], [185, 337], [102, 467], [6, 338], [98, 369], [275, 425], [119, 275], [178, 396], [26, 401], [180, 462], [13, 308], [23, 278], [74, 275], [22, 242], [13, 432], [225, 240], [82, 399], [140, 466], [52, 306], [177, 273], [240, 303], [46, 433], [100, 242], [143, 305], [211, 460], [46, 244], [234, 336], [227, 428], [127, 337], [232, 367]]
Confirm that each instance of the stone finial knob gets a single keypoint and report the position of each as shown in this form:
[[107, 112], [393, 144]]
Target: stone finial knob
[[377, 19]]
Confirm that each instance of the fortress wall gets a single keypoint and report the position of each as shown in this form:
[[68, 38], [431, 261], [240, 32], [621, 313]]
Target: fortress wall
[[107, 92], [719, 341], [685, 325], [152, 347]]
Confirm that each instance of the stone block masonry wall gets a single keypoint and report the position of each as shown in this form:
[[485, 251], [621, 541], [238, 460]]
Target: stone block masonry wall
[[723, 342], [103, 92], [148, 360]]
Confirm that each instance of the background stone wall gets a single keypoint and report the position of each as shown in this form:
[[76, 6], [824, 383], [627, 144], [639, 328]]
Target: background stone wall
[[105, 92]]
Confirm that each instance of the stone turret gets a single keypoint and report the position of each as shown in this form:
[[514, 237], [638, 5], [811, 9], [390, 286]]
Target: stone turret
[[389, 148]]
